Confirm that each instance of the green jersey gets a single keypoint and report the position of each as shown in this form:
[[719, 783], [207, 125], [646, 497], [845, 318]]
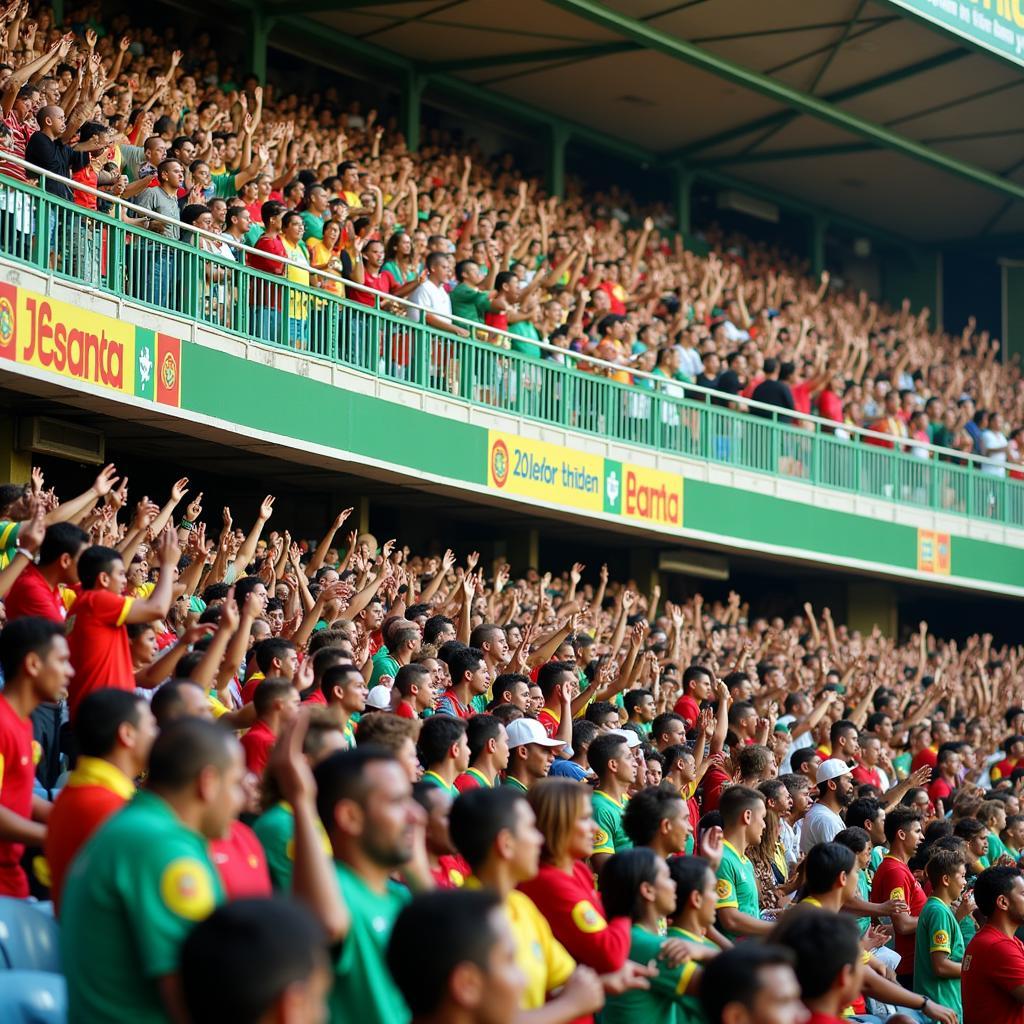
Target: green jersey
[[662, 1002], [996, 848], [689, 1010], [610, 836], [470, 303], [737, 885], [877, 856], [385, 666], [363, 988], [938, 931], [133, 894], [864, 892], [275, 829]]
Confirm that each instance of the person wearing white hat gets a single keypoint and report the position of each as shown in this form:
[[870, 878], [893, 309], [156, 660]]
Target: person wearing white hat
[[835, 793], [379, 698], [531, 753]]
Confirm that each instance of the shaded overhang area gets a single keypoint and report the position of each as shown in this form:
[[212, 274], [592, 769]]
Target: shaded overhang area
[[852, 106]]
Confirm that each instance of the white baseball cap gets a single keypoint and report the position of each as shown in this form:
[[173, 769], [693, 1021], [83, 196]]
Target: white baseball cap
[[628, 735], [528, 730], [379, 698], [831, 769]]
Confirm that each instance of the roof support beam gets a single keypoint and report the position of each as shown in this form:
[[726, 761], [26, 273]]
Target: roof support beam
[[531, 56], [468, 92], [322, 6], [848, 93], [796, 153], [681, 50]]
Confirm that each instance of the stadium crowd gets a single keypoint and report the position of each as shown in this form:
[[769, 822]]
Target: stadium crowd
[[268, 778], [332, 200]]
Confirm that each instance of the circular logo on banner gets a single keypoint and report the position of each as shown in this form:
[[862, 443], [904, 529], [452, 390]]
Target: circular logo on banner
[[499, 462], [186, 889], [6, 322], [168, 371]]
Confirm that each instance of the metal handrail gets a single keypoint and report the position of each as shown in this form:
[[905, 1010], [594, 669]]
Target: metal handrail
[[662, 385]]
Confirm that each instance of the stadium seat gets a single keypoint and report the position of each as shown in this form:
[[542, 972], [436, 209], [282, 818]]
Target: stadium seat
[[33, 997], [28, 939]]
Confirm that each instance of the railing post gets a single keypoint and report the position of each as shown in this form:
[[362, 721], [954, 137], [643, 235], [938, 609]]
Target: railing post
[[43, 218]]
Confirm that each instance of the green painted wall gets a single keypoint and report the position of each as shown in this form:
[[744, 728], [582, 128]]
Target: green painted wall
[[266, 398]]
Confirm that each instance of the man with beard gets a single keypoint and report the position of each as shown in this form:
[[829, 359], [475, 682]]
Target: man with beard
[[835, 793]]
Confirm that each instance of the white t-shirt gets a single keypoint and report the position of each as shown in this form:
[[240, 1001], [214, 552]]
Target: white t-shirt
[[994, 439], [433, 297], [820, 825]]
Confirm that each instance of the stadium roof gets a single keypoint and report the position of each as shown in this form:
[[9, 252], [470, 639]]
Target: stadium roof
[[852, 105]]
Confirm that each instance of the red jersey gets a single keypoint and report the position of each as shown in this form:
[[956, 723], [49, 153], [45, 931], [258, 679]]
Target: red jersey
[[714, 781], [940, 789], [451, 871], [550, 719], [574, 910], [316, 697], [379, 282], [241, 863], [99, 645], [473, 778], [32, 595], [17, 774], [257, 743], [863, 775], [1002, 770], [895, 881], [405, 710], [822, 1018], [250, 686], [93, 792], [689, 709], [993, 967], [929, 756]]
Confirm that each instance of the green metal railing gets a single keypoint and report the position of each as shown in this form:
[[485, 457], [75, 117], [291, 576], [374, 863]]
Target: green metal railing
[[385, 337]]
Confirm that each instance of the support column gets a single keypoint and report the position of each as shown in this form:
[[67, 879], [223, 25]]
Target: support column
[[871, 604], [521, 549], [260, 25], [557, 142], [819, 226], [412, 95], [682, 192], [15, 464]]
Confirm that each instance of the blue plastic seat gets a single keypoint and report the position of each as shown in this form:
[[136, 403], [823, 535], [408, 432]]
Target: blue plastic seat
[[29, 938], [33, 997]]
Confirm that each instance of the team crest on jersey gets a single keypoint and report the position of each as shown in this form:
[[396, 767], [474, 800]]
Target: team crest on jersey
[[897, 894], [186, 889], [587, 919], [600, 838], [940, 938], [723, 888]]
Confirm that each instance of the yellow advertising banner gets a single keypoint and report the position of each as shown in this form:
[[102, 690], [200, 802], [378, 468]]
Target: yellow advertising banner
[[652, 495], [934, 552], [544, 471], [66, 340]]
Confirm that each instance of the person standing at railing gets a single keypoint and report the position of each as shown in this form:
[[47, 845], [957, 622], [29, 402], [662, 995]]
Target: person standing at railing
[[265, 298], [443, 356], [153, 264], [70, 236], [297, 272]]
